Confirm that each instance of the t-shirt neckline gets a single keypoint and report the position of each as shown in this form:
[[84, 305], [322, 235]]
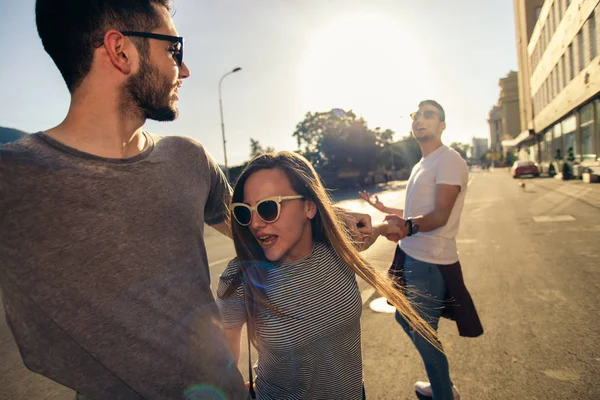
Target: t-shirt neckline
[[78, 153]]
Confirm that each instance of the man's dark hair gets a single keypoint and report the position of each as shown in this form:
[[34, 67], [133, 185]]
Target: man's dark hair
[[437, 105], [68, 28]]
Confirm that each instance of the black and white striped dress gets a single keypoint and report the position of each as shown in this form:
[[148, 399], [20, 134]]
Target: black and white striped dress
[[314, 350]]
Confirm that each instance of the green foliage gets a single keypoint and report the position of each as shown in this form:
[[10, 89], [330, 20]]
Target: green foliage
[[256, 149], [510, 159], [344, 150], [339, 141], [406, 152], [460, 148]]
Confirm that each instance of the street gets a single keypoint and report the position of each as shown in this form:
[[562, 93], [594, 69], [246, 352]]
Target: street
[[531, 262]]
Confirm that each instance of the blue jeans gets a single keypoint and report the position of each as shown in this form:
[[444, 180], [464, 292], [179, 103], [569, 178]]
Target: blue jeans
[[426, 279]]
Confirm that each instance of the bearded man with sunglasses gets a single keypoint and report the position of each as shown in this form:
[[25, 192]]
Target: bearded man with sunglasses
[[426, 259], [103, 271]]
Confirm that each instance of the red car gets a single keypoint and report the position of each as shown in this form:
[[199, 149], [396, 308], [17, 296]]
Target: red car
[[521, 168]]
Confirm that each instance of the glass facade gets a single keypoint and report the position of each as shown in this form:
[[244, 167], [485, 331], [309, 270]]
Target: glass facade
[[586, 127], [549, 154], [569, 126], [557, 143]]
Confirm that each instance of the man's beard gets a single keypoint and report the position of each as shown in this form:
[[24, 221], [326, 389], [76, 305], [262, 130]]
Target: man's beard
[[149, 92]]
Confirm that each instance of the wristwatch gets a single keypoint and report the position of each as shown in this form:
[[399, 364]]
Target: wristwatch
[[413, 227]]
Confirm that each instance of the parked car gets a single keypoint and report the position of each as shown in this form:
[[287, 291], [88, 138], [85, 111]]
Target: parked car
[[521, 168]]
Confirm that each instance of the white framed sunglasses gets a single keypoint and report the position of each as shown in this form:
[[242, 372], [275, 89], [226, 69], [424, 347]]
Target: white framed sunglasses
[[267, 209]]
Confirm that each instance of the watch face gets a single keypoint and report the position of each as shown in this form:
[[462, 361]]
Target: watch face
[[415, 228]]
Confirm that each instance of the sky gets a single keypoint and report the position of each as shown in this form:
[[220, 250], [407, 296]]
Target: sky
[[378, 58]]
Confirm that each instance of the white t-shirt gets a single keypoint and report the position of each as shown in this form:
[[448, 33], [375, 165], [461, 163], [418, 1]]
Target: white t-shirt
[[443, 166]]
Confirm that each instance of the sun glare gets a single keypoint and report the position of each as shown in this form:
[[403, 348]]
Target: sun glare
[[369, 63]]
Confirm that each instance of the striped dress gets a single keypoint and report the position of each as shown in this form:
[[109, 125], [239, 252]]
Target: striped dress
[[314, 350]]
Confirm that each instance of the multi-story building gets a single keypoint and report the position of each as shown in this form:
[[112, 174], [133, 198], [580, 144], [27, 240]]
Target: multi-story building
[[526, 15], [478, 148], [504, 121], [495, 121], [562, 67]]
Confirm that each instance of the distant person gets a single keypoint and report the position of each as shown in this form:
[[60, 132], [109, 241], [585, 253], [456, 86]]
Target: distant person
[[426, 260], [294, 283]]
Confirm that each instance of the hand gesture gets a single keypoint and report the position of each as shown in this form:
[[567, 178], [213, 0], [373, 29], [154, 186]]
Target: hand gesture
[[366, 196]]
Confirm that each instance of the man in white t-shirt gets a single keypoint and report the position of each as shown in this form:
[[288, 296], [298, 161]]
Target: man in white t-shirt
[[435, 196]]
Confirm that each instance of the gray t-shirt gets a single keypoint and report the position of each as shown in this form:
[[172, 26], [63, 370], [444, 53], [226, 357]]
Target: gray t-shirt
[[104, 272]]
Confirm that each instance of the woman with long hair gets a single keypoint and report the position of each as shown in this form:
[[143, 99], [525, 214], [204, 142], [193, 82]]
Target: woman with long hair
[[294, 283]]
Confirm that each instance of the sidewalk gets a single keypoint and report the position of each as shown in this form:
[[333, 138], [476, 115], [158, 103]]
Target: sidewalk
[[588, 193]]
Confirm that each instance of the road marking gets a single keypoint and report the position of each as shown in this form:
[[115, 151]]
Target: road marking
[[565, 376], [366, 295], [471, 179], [548, 295], [381, 305], [553, 218], [466, 241]]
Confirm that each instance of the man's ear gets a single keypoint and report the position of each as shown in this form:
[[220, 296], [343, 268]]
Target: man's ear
[[120, 51], [311, 209], [443, 124]]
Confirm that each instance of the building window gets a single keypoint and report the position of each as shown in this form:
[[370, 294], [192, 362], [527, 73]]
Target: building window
[[592, 35], [545, 93], [569, 126], [571, 63], [559, 10], [549, 154], [553, 88], [564, 70], [538, 10], [550, 20], [557, 143], [587, 132], [556, 79], [580, 51]]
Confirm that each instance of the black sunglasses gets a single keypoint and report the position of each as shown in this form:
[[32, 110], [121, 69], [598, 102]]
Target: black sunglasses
[[427, 114], [168, 38], [267, 209]]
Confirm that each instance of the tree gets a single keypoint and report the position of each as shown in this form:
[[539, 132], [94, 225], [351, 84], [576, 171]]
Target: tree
[[337, 140], [406, 152], [256, 149], [460, 148], [510, 159]]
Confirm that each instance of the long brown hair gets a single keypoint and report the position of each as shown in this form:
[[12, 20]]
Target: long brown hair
[[327, 227]]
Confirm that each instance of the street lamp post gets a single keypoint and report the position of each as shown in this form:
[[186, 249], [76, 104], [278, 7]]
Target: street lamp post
[[222, 123]]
